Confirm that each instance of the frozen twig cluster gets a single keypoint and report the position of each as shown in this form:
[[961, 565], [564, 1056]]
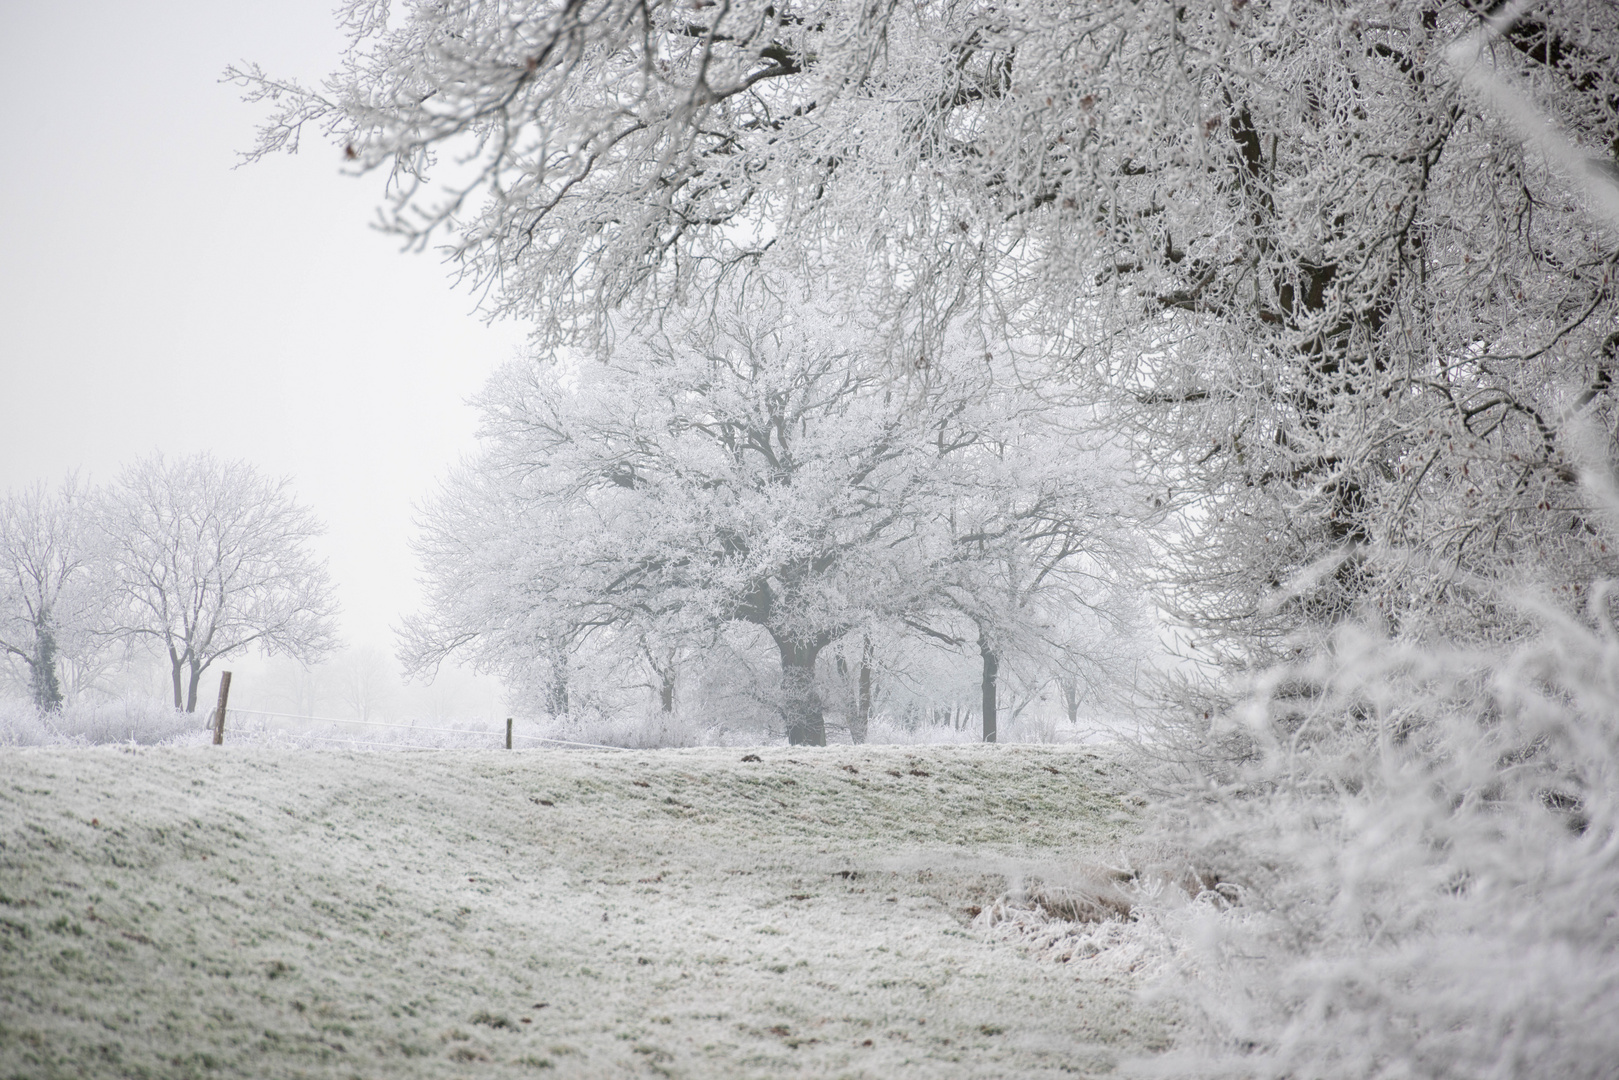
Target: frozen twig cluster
[[1424, 848]]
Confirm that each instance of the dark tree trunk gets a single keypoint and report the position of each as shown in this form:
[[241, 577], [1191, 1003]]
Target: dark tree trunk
[[191, 693], [861, 720], [667, 692], [800, 703], [176, 665], [992, 668], [43, 683], [1072, 695]]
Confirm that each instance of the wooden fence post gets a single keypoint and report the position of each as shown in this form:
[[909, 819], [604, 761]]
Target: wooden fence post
[[508, 733], [219, 713]]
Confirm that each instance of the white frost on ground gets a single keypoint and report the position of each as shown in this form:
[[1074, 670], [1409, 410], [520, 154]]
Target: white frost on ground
[[257, 911]]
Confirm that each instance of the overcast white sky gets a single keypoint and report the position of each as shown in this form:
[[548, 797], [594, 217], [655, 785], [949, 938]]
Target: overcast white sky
[[154, 297]]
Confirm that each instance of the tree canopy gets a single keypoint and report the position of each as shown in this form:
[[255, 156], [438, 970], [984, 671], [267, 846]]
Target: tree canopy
[[1353, 313], [209, 559], [768, 472]]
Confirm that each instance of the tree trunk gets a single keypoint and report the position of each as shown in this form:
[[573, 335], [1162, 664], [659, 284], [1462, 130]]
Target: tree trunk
[[1071, 695], [175, 666], [800, 703], [191, 694], [667, 692], [43, 683], [861, 719], [992, 668], [557, 700]]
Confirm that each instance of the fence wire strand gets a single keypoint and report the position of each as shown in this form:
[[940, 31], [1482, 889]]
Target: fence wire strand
[[472, 732]]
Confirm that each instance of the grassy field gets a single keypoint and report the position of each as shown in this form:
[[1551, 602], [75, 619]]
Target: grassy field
[[248, 912]]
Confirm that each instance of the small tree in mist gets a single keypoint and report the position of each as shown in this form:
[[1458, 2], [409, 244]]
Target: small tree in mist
[[53, 587], [209, 559], [1036, 521]]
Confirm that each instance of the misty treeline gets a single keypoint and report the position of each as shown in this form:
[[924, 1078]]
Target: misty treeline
[[1334, 282], [189, 559]]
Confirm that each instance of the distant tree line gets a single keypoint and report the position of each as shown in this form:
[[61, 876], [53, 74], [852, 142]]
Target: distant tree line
[[193, 559]]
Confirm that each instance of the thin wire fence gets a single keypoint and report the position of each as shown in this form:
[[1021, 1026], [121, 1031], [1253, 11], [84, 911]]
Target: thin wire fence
[[264, 726], [154, 722]]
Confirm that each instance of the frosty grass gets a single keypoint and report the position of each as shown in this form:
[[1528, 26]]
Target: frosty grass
[[251, 911]]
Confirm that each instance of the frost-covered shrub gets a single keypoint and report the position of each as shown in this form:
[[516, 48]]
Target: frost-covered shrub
[[139, 720], [643, 730], [1425, 848], [916, 730]]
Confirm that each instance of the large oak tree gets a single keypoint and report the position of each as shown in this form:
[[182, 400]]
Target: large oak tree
[[766, 475]]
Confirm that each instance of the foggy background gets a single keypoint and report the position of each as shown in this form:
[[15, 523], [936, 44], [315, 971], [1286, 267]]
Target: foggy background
[[154, 297]]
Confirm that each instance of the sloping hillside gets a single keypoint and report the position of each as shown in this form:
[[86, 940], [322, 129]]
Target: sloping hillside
[[238, 911]]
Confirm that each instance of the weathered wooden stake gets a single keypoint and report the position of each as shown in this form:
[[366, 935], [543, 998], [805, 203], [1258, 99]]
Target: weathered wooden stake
[[219, 713], [508, 733]]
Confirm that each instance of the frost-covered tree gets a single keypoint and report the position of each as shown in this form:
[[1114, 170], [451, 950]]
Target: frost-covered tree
[[1420, 845], [1353, 311], [211, 559], [1035, 520], [770, 476], [365, 682], [53, 595], [772, 473]]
